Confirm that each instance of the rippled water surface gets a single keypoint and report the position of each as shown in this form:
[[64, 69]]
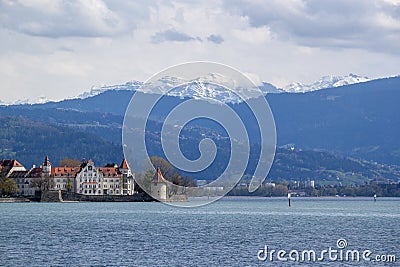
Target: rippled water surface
[[228, 232]]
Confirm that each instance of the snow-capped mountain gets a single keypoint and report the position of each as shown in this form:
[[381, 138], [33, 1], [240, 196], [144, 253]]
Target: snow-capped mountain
[[212, 86], [207, 88], [96, 90], [27, 101], [325, 82]]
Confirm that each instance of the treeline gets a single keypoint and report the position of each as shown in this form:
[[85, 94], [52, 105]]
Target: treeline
[[29, 142], [381, 190]]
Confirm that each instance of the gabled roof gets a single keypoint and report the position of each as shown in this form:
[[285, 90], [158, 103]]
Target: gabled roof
[[124, 165], [10, 163]]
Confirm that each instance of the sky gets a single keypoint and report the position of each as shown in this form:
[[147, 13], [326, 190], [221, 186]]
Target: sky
[[59, 49]]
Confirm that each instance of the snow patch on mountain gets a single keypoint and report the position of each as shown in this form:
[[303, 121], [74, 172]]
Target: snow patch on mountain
[[96, 90], [212, 87], [325, 82], [27, 101]]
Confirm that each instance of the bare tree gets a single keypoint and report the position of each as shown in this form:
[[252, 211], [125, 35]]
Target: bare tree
[[67, 162], [43, 183]]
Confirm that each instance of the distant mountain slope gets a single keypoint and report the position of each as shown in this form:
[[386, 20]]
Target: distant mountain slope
[[30, 142], [112, 101], [359, 120]]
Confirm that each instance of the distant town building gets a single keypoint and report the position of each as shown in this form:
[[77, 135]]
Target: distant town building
[[201, 182], [269, 184], [309, 183], [87, 179]]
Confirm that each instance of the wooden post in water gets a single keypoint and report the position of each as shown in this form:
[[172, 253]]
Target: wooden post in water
[[288, 196]]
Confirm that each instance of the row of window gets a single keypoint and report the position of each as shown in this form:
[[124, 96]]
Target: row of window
[[98, 192]]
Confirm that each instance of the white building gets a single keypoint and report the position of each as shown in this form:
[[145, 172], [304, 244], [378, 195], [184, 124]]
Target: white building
[[309, 183], [86, 179]]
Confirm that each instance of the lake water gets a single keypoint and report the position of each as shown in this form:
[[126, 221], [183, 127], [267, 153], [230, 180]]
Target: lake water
[[229, 232]]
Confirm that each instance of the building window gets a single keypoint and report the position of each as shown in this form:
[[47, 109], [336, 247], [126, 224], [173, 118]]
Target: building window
[[99, 191]]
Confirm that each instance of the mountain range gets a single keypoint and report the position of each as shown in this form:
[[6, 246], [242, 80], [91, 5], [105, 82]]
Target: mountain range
[[265, 87], [359, 121], [325, 82]]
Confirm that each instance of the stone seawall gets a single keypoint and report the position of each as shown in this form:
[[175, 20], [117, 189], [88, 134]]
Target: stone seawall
[[68, 196], [64, 196]]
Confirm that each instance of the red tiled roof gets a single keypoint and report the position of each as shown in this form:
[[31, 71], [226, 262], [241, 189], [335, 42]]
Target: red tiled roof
[[65, 171], [124, 165], [109, 172]]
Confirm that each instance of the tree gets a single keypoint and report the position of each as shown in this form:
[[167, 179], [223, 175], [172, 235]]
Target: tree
[[67, 162], [165, 167], [8, 186], [280, 190], [144, 180], [43, 183], [69, 185], [178, 184]]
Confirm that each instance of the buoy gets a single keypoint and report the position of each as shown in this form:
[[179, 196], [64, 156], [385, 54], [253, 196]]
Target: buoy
[[288, 196], [375, 198]]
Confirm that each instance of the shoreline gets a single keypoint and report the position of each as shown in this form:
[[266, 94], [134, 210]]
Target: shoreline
[[27, 200]]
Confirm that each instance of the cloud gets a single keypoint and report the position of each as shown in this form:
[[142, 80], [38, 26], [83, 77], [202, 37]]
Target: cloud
[[172, 35], [215, 38], [57, 18], [279, 41], [370, 25]]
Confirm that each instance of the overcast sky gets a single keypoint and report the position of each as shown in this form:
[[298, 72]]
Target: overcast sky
[[59, 49]]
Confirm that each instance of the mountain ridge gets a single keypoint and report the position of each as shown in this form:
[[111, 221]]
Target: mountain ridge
[[329, 81]]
